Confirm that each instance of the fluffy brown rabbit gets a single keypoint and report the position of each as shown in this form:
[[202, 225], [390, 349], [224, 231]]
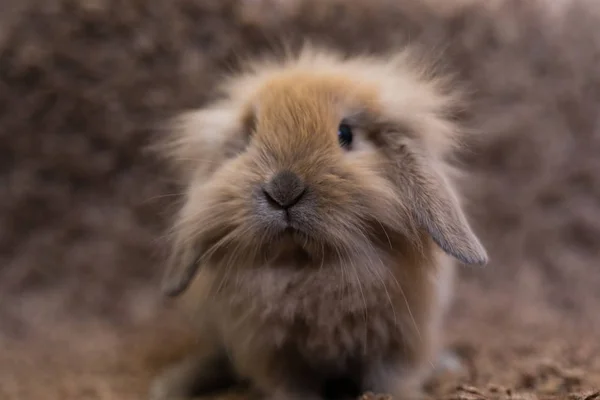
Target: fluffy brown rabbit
[[319, 229]]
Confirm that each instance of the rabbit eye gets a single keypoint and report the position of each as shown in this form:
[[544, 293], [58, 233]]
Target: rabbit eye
[[345, 135]]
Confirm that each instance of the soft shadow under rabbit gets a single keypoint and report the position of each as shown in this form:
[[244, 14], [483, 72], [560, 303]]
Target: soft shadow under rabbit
[[320, 227]]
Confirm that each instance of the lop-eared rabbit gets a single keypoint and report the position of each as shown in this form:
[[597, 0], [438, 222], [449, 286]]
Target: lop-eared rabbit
[[316, 245]]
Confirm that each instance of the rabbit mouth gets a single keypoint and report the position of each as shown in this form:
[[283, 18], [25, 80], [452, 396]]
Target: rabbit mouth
[[289, 250], [291, 231], [292, 240], [293, 234]]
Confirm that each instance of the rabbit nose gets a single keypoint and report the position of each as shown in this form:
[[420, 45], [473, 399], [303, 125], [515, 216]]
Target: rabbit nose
[[284, 190]]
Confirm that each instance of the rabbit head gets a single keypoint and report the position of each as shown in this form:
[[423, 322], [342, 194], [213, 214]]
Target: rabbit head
[[313, 157]]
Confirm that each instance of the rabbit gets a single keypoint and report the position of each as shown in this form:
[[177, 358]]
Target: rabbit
[[316, 244]]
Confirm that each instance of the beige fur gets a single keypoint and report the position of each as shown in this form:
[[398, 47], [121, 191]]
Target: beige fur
[[358, 288]]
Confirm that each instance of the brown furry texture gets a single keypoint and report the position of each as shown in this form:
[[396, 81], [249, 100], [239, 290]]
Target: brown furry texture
[[83, 207], [316, 253]]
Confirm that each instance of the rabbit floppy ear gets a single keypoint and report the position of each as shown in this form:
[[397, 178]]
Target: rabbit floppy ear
[[434, 207], [197, 141], [181, 269]]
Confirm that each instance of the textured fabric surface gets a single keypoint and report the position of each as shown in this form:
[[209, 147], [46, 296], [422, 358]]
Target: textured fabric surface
[[84, 206]]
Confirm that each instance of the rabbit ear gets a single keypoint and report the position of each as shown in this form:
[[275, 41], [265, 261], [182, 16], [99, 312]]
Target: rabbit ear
[[197, 141], [181, 269], [436, 208]]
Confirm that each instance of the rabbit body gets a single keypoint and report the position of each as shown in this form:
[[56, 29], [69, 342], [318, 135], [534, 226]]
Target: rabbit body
[[317, 242], [296, 330]]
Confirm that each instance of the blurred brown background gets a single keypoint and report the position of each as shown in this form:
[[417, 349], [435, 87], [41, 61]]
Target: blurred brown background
[[83, 206]]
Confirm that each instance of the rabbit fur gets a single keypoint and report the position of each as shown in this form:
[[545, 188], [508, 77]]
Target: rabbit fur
[[306, 261]]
